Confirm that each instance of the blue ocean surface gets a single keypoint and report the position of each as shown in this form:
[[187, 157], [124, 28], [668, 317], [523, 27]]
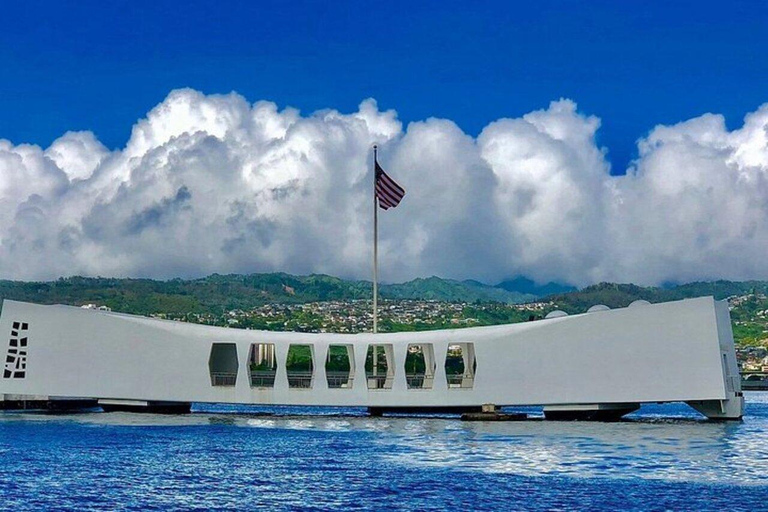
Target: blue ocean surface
[[225, 457]]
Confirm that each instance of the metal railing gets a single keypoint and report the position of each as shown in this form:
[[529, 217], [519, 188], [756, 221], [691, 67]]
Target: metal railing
[[263, 378], [223, 378], [458, 380], [380, 381], [300, 380], [419, 380], [338, 380]]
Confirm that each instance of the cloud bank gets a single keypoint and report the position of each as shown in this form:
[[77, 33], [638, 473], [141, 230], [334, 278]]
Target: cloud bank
[[216, 184]]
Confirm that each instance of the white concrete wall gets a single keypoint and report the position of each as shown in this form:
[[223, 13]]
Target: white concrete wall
[[653, 353]]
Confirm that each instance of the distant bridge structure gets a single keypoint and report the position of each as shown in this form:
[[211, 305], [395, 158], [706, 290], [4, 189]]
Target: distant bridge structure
[[754, 381]]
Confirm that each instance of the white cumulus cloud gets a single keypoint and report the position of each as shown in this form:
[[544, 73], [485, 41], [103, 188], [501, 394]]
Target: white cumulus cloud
[[217, 184]]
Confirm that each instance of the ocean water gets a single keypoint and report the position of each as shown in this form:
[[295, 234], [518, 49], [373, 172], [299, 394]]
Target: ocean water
[[240, 458]]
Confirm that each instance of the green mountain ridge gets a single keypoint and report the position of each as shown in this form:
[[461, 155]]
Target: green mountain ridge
[[211, 299], [449, 290], [615, 295], [218, 293], [529, 287]]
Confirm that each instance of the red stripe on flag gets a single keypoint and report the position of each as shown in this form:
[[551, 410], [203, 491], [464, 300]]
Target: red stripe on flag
[[389, 180], [386, 187], [384, 203], [387, 190], [387, 196]]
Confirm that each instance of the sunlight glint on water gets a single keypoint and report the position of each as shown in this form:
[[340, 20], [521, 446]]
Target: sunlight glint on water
[[231, 456]]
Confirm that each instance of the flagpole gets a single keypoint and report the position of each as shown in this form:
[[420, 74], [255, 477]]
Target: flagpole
[[375, 249]]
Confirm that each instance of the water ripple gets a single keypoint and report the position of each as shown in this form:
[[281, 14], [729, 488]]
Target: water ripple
[[227, 457]]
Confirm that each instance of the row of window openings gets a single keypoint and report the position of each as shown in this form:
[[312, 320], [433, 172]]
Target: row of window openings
[[420, 366]]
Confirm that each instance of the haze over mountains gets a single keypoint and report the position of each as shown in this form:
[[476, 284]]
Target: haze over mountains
[[217, 293]]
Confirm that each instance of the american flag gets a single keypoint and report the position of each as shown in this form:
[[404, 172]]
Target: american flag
[[388, 192]]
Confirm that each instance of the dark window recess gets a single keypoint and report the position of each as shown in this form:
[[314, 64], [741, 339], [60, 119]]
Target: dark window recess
[[262, 365], [300, 366], [379, 366], [223, 364], [339, 366]]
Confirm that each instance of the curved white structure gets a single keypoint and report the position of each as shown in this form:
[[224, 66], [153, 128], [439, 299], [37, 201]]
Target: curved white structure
[[670, 352]]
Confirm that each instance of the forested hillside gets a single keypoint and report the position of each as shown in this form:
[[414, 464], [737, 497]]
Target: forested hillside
[[217, 293], [621, 295]]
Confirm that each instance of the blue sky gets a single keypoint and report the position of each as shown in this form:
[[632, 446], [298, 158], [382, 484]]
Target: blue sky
[[100, 66], [123, 153]]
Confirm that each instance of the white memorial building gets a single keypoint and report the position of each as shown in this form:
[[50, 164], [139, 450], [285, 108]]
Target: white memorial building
[[600, 364]]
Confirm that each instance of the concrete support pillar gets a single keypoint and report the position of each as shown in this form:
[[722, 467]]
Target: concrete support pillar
[[429, 359], [389, 354], [730, 409]]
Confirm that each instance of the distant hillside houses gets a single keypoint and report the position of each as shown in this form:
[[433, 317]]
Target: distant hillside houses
[[321, 303], [753, 359]]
